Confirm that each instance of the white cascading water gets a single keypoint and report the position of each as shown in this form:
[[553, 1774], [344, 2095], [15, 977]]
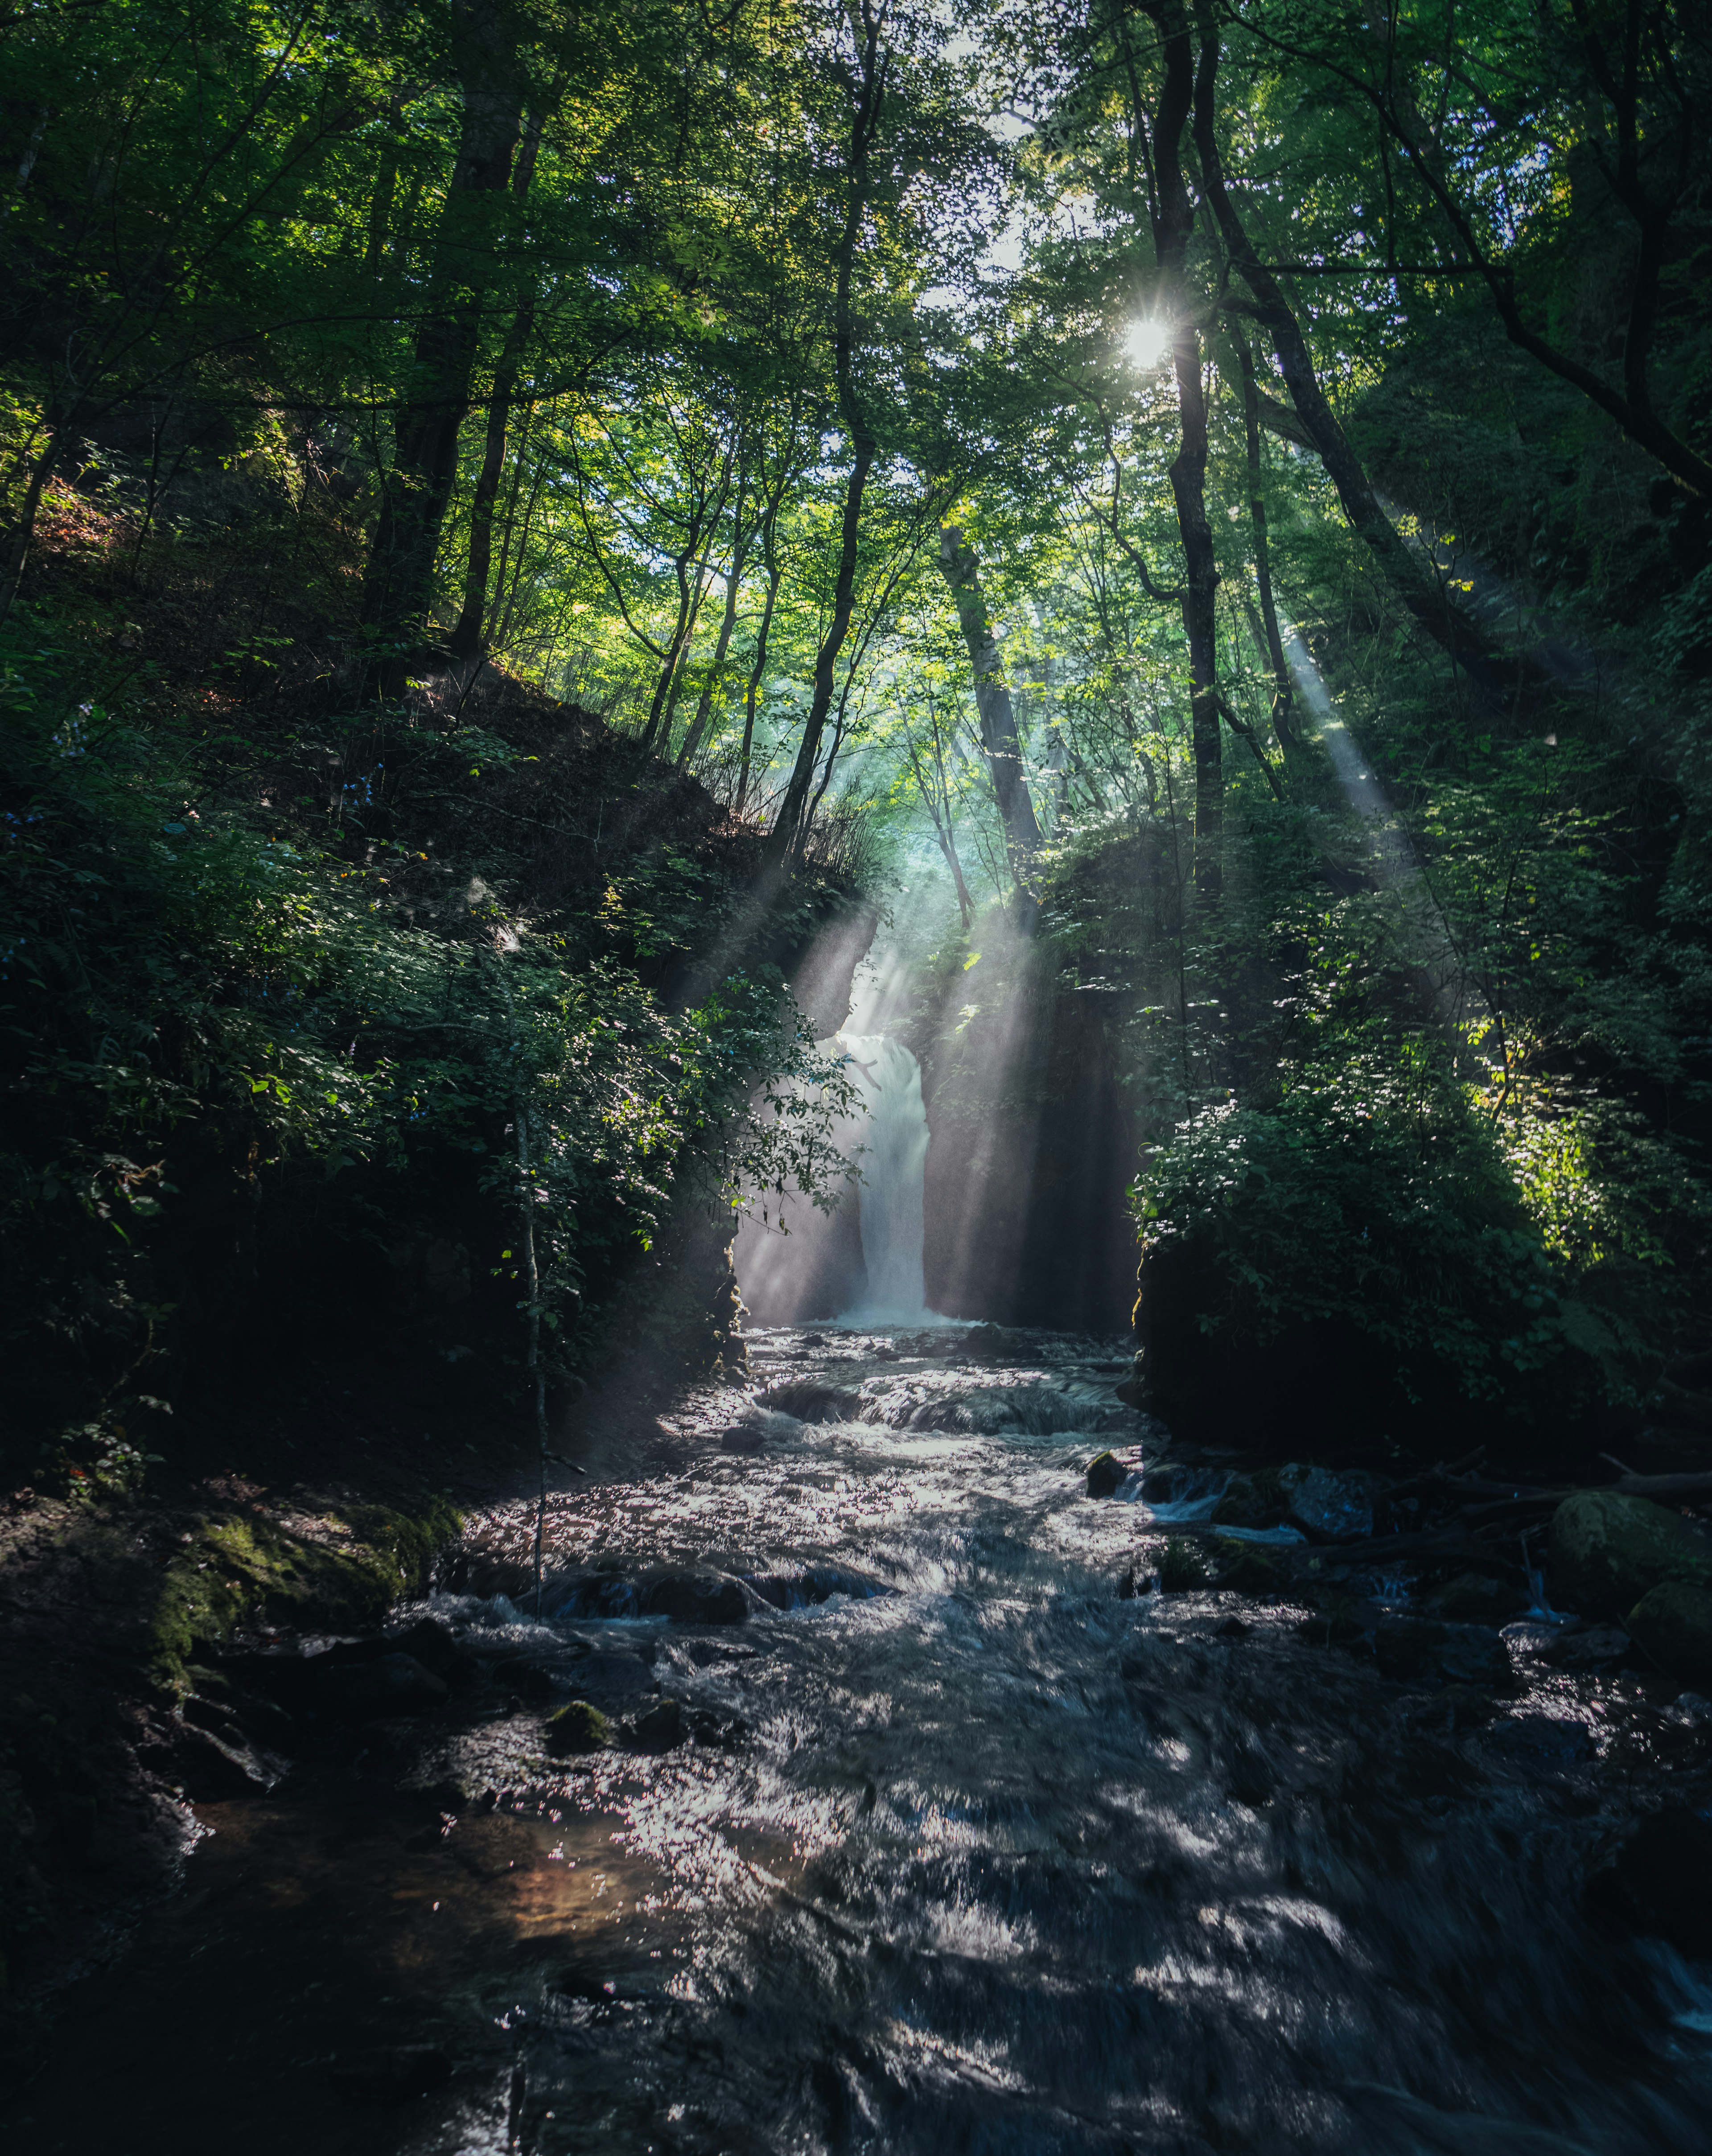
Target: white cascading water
[[894, 1169]]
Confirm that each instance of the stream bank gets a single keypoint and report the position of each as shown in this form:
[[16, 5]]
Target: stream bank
[[939, 1806]]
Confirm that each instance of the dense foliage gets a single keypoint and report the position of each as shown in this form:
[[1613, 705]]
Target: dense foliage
[[497, 511]]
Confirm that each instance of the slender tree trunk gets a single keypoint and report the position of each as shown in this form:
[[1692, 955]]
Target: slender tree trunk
[[680, 672], [865, 122], [1283, 696], [40, 472], [937, 799], [775, 571], [668, 688], [716, 668], [466, 636], [1447, 624], [508, 522], [741, 542], [502, 633], [399, 586], [1187, 472], [380, 206], [999, 737]]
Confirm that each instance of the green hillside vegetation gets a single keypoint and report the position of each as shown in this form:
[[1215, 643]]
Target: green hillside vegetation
[[512, 524]]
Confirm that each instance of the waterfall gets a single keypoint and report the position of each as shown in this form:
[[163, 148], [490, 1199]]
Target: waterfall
[[797, 1265], [894, 1168]]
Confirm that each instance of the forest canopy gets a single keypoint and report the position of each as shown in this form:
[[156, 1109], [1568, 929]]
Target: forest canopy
[[954, 445]]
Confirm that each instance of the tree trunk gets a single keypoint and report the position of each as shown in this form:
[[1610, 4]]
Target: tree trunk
[[1282, 695], [400, 585], [1172, 228], [741, 542], [865, 122], [775, 572], [1447, 624], [999, 738], [466, 636]]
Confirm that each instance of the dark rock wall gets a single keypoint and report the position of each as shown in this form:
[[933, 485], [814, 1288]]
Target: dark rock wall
[[1031, 1151]]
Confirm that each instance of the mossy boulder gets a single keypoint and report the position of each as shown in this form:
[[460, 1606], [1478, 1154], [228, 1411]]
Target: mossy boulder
[[1252, 1500], [236, 1568], [577, 1729], [1607, 1551], [1181, 1567], [1246, 1569], [1673, 1624]]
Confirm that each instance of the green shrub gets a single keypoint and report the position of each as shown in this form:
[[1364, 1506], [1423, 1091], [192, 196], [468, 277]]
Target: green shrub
[[1374, 1201]]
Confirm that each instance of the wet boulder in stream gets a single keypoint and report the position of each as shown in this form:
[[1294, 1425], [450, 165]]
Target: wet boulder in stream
[[576, 1730], [756, 1425], [697, 1598], [1672, 1623], [1607, 1551], [663, 1728], [1106, 1474], [1327, 1504], [810, 1399], [1474, 1597], [695, 1595]]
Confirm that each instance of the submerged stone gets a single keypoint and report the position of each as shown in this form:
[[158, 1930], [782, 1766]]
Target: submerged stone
[[576, 1729], [434, 1646], [1247, 1570], [1607, 1551], [1673, 1624], [1587, 1647], [1181, 1567]]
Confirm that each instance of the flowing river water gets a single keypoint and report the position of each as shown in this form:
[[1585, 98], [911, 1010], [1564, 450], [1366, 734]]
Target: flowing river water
[[952, 1837], [965, 1850]]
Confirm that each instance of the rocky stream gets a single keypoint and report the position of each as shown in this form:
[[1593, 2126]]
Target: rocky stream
[[919, 1752]]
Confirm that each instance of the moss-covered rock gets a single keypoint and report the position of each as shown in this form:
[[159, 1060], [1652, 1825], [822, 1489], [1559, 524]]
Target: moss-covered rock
[[1252, 1500], [236, 1568], [1673, 1623], [1181, 1567], [1247, 1569], [576, 1729], [1607, 1551]]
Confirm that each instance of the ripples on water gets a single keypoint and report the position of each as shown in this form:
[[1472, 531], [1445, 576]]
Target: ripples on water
[[974, 1854], [1007, 1863]]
